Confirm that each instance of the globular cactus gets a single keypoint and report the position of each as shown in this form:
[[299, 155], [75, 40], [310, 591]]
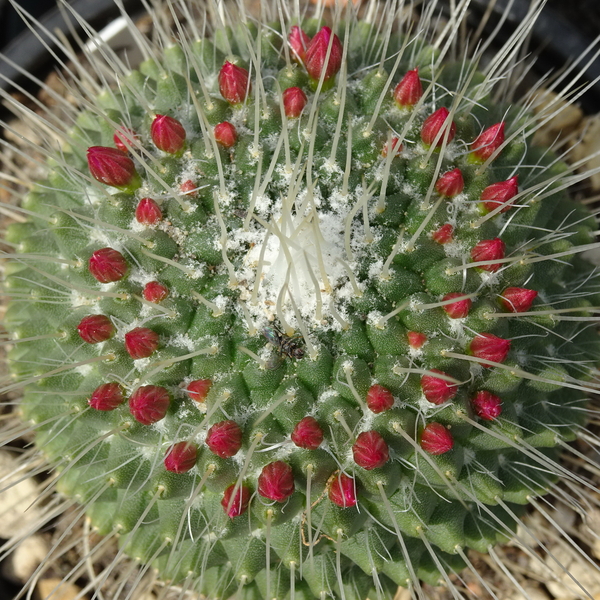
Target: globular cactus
[[300, 311]]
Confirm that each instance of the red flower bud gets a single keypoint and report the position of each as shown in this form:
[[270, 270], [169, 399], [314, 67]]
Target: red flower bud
[[436, 439], [489, 250], [148, 212], [141, 342], [437, 390], [517, 300], [111, 166], [459, 309], [94, 329], [307, 434], [395, 145], [234, 83], [276, 481], [498, 194], [168, 134], [487, 143], [489, 347], [294, 101], [299, 42], [181, 457], [237, 505], [444, 234], [409, 90], [370, 450], [487, 406], [155, 292], [450, 184], [198, 390], [225, 134], [416, 339], [107, 396], [342, 491], [379, 398], [123, 138], [149, 404], [107, 265], [435, 123], [189, 188], [224, 439], [317, 52]]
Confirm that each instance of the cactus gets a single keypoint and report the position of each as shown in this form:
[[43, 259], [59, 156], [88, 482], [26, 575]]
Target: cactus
[[301, 311]]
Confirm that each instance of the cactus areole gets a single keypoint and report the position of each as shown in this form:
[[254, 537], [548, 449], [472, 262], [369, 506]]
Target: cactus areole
[[282, 360]]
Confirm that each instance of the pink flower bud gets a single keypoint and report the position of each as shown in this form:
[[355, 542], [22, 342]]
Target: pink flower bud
[[317, 52], [124, 138], [489, 250], [198, 390], [111, 166], [294, 101], [225, 134], [450, 184], [299, 42], [233, 83], [517, 300], [498, 194], [444, 234], [459, 309], [370, 450], [436, 439], [276, 481], [435, 123], [487, 143], [94, 329], [395, 145], [141, 342], [168, 134], [489, 347], [487, 406], [148, 212], [437, 390], [107, 396], [189, 188], [307, 434], [342, 491], [181, 457], [107, 265], [237, 505], [379, 398], [409, 90], [416, 339], [224, 439], [155, 292], [149, 404]]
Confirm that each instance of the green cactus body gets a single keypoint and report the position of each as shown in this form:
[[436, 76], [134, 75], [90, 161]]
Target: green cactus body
[[302, 349]]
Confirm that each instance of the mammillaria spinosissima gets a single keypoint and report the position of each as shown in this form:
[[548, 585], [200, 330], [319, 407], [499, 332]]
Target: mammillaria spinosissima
[[311, 318]]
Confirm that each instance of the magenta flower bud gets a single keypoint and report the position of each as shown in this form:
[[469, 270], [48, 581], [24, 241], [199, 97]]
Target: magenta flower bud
[[189, 188], [94, 329], [168, 134], [395, 145], [198, 390], [487, 406], [276, 481], [487, 143], [435, 123], [181, 457], [224, 439], [436, 439], [517, 300], [124, 138], [141, 342], [489, 250], [370, 450], [307, 434], [342, 491], [225, 134], [416, 339], [155, 292], [107, 265], [409, 90], [148, 212], [107, 396], [237, 505], [437, 390], [489, 347], [317, 52], [299, 42], [379, 399], [234, 83], [111, 166], [149, 404], [450, 184], [459, 309], [499, 194], [294, 101]]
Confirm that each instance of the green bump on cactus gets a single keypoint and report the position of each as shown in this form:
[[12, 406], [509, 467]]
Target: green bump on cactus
[[335, 313]]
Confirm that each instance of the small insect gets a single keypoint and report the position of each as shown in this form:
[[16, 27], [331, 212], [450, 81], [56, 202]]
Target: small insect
[[284, 345]]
